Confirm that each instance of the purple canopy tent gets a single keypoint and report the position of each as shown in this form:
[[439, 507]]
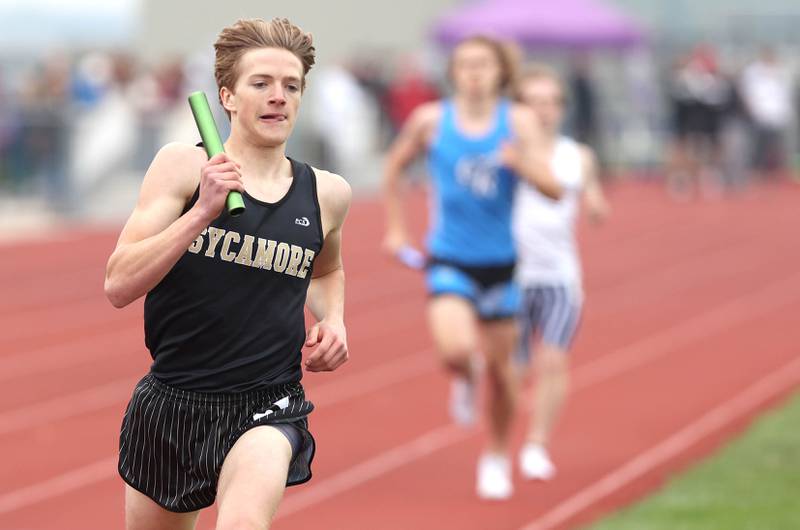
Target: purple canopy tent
[[541, 23]]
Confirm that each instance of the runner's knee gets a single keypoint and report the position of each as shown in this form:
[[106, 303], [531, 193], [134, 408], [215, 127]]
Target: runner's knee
[[551, 361], [456, 357]]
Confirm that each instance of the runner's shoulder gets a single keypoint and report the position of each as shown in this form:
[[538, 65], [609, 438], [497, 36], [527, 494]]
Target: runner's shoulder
[[177, 167], [427, 115], [333, 191], [181, 154]]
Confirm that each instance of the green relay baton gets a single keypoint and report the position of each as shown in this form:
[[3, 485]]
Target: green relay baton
[[212, 142]]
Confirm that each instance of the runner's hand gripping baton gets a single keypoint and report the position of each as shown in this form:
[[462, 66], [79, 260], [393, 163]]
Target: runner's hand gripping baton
[[212, 142]]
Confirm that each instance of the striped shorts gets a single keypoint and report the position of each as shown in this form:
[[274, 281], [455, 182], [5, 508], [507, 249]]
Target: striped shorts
[[173, 442], [552, 311]]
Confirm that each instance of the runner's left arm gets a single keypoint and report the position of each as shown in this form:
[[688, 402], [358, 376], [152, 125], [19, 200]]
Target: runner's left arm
[[325, 297], [597, 206]]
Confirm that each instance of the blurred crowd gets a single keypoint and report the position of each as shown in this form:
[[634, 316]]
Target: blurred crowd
[[70, 122], [66, 123], [729, 126]]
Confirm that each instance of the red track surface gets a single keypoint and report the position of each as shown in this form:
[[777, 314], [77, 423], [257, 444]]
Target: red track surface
[[690, 329]]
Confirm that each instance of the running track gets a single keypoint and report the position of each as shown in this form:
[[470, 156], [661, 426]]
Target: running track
[[690, 329]]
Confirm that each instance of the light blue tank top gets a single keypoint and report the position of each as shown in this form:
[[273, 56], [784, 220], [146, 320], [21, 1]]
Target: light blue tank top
[[472, 193]]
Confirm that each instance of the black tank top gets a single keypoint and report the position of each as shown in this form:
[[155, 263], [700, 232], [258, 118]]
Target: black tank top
[[228, 317]]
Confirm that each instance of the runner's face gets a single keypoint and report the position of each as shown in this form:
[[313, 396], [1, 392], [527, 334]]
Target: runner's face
[[476, 70], [267, 95], [544, 96]]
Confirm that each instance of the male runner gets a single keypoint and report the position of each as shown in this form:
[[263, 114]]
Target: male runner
[[222, 414]]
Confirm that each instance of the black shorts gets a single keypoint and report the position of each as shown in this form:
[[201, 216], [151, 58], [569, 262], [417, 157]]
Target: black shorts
[[491, 290], [768, 152], [173, 442]]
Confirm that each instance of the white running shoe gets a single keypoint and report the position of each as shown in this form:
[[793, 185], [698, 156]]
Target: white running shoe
[[463, 408], [535, 464], [494, 477]]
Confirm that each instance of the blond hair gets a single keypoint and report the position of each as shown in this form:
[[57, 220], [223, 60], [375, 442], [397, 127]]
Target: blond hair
[[536, 71], [248, 34]]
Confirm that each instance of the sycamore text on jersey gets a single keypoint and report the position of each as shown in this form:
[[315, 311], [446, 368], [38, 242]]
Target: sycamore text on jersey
[[269, 255]]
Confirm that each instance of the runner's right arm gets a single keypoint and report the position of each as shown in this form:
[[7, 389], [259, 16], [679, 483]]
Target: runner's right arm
[[156, 235], [412, 140]]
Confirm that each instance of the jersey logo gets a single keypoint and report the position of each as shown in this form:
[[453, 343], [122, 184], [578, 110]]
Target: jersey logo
[[281, 404], [479, 174], [302, 221]]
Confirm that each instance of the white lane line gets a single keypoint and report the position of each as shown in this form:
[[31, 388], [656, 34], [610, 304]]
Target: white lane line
[[374, 379], [772, 385], [585, 376], [119, 390], [741, 309], [381, 464], [71, 353], [59, 485], [61, 407]]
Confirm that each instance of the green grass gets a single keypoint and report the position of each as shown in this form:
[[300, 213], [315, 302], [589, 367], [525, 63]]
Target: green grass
[[751, 484]]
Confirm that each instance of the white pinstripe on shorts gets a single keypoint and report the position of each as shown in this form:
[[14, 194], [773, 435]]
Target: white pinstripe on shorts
[[551, 311]]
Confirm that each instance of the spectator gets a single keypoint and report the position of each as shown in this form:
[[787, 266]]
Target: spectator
[[766, 90], [699, 95]]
